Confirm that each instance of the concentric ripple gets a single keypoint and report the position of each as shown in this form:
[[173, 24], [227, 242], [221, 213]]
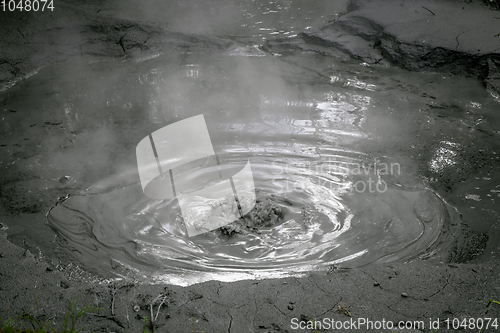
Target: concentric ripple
[[338, 210]]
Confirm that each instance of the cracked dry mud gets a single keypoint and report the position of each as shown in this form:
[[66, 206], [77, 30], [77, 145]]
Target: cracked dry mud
[[374, 292]]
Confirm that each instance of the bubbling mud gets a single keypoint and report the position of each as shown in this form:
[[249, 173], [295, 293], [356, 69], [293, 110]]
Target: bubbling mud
[[309, 217]]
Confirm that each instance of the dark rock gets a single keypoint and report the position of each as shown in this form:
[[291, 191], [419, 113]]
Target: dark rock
[[64, 179]]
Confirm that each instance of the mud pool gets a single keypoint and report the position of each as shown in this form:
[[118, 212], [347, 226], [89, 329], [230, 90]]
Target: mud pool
[[368, 164]]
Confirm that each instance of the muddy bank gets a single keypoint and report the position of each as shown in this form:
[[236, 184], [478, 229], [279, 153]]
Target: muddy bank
[[427, 36], [397, 292], [33, 40]]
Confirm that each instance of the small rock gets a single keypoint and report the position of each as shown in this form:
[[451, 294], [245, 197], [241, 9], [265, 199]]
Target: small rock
[[453, 265], [64, 179], [137, 308], [114, 264], [290, 307], [376, 284], [404, 295]]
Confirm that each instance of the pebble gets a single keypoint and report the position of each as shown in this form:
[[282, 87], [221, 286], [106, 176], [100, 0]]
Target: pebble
[[290, 307], [376, 284], [137, 308], [404, 294], [64, 179]]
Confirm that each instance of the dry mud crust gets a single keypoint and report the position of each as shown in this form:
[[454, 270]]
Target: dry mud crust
[[29, 40], [397, 292], [453, 37]]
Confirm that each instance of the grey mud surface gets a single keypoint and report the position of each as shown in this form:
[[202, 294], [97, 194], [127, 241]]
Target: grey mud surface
[[395, 292], [457, 37], [453, 37]]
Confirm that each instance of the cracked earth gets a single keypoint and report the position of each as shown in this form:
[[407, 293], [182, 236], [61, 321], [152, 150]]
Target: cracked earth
[[398, 292]]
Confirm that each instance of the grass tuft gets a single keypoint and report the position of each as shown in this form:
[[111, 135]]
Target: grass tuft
[[46, 325]]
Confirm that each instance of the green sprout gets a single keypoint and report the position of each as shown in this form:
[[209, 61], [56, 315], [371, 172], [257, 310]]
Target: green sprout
[[43, 325]]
